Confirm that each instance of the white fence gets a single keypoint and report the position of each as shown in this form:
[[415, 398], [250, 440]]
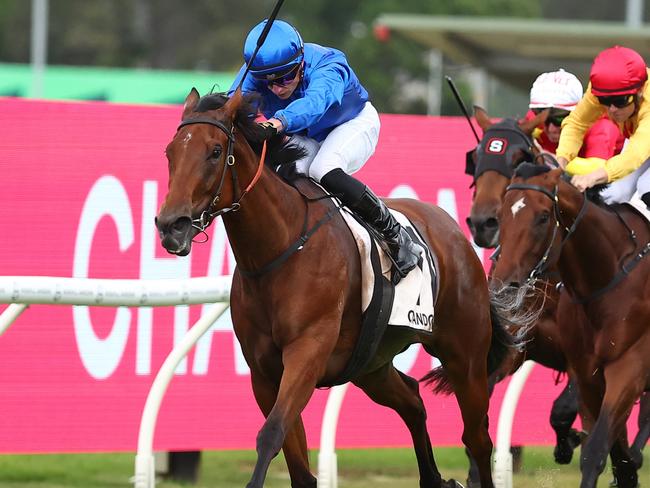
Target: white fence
[[21, 291]]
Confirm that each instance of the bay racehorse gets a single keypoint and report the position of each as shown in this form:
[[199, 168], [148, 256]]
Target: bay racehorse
[[296, 297], [600, 252], [491, 172], [504, 146]]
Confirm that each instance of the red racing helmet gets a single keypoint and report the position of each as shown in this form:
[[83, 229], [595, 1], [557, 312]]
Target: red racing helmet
[[617, 70]]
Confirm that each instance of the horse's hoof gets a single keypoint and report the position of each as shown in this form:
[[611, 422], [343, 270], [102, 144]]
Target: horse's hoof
[[563, 451], [473, 483], [452, 483]]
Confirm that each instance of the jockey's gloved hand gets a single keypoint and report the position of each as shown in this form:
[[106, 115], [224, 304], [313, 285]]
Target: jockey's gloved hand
[[269, 130]]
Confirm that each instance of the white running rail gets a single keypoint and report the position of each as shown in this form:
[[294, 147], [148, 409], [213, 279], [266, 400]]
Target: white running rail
[[145, 476], [327, 464], [20, 291], [502, 464]]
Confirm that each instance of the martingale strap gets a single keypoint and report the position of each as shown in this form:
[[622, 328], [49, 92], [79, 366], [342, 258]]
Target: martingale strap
[[296, 246]]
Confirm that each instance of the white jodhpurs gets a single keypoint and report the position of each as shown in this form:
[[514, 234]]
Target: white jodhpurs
[[347, 147], [622, 190]]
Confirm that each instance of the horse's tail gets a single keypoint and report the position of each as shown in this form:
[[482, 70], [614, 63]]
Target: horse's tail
[[505, 309]]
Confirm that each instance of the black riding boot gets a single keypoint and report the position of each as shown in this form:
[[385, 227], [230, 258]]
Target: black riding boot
[[361, 200], [646, 199]]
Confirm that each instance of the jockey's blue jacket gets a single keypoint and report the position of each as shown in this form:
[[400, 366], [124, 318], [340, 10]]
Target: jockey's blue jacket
[[328, 95]]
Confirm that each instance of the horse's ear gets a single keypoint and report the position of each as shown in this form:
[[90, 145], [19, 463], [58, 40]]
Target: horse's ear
[[190, 102], [528, 126], [233, 103], [482, 118]]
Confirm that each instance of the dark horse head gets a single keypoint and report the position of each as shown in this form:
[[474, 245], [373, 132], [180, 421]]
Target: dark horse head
[[504, 146]]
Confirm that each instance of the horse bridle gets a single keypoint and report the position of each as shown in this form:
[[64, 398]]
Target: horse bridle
[[542, 265], [209, 214]]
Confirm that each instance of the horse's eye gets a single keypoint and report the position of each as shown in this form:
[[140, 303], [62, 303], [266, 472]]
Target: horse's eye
[[544, 218], [216, 152]]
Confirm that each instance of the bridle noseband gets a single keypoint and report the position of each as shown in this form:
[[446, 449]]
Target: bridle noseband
[[209, 214]]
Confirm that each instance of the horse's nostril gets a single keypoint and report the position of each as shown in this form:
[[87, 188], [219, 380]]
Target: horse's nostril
[[181, 225], [491, 223], [514, 284]]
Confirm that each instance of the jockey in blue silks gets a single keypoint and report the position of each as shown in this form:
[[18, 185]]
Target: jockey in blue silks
[[310, 93]]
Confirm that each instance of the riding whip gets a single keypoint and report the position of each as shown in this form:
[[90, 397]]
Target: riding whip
[[462, 106], [261, 39]]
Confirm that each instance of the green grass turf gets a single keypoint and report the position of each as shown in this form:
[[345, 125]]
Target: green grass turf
[[377, 468]]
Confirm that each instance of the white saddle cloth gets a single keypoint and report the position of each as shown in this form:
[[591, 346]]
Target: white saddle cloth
[[415, 295]]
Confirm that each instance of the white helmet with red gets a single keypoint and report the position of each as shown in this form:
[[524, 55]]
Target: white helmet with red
[[556, 89]]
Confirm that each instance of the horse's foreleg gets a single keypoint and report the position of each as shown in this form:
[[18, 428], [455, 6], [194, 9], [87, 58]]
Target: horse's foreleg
[[295, 442], [473, 474], [469, 380], [390, 388], [623, 381], [563, 414], [303, 362]]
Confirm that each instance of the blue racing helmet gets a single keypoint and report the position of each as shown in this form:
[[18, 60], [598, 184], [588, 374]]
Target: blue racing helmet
[[281, 51]]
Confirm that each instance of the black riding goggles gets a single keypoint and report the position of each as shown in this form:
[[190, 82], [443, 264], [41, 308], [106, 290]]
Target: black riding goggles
[[555, 116], [282, 78], [619, 101]]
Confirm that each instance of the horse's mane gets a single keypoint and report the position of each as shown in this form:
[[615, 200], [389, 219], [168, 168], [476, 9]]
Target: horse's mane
[[278, 153], [528, 170]]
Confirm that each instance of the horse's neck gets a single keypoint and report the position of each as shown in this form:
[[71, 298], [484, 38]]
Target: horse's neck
[[268, 222], [590, 256]]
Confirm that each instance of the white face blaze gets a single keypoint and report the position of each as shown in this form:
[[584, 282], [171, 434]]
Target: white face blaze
[[517, 206]]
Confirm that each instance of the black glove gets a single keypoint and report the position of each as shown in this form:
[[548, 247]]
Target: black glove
[[269, 130]]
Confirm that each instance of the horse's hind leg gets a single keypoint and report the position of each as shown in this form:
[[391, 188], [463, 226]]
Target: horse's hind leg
[[473, 477], [563, 414], [391, 388], [295, 442]]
